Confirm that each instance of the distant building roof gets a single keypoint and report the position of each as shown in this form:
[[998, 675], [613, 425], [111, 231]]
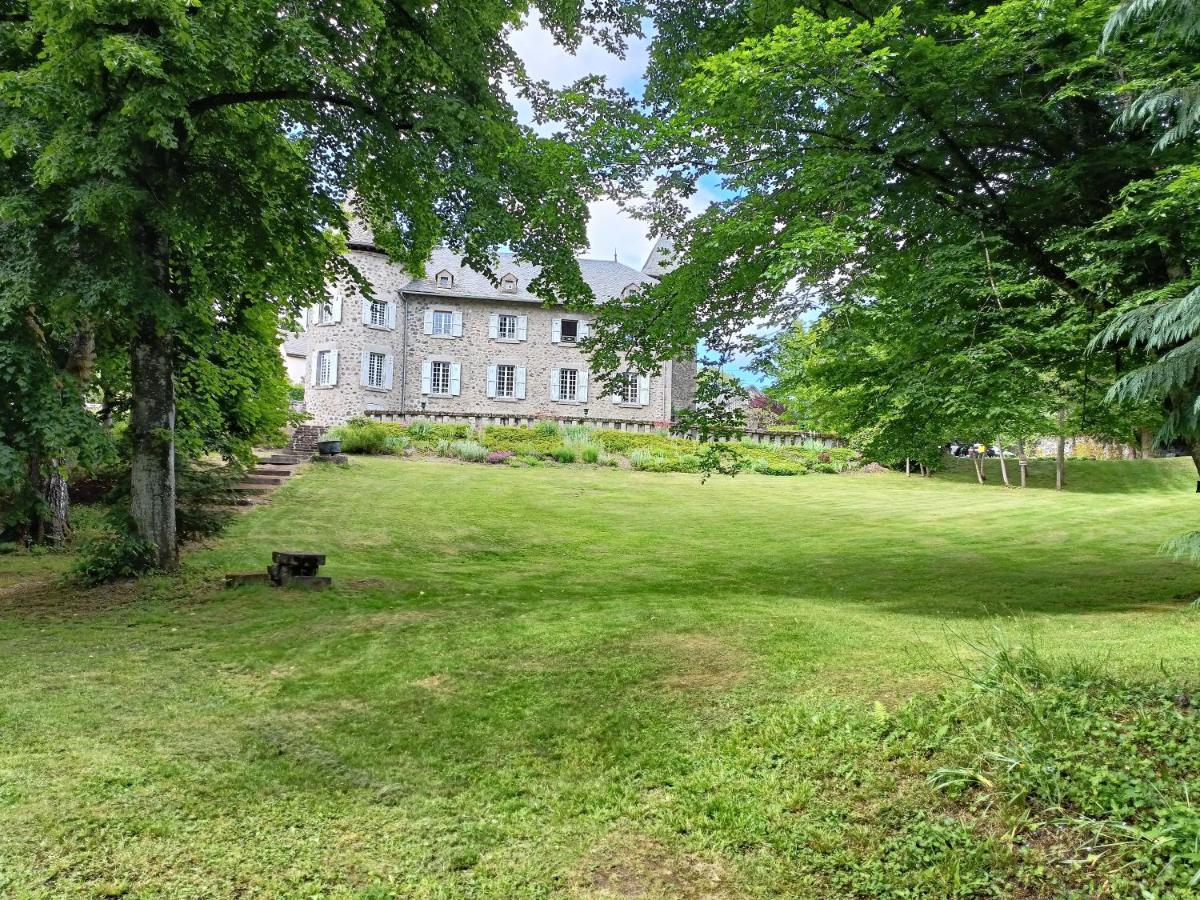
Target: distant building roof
[[661, 259], [607, 278]]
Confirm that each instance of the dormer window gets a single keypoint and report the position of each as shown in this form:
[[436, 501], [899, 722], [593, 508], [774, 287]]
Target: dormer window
[[444, 279], [630, 290], [508, 284]]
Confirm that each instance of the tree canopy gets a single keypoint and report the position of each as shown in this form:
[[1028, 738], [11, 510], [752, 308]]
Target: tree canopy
[[176, 173], [941, 163]]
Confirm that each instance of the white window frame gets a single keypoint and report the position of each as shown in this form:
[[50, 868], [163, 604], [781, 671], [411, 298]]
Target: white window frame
[[509, 333], [508, 284], [377, 309], [506, 381], [439, 378], [324, 366], [631, 390], [562, 336], [376, 369], [568, 385], [443, 323]]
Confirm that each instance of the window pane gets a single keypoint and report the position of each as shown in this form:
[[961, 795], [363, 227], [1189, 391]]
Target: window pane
[[378, 313], [443, 321], [508, 327], [570, 330], [375, 369], [506, 379], [441, 378], [568, 382]]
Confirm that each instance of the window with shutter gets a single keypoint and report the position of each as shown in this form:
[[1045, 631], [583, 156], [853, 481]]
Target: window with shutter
[[375, 363], [506, 381], [442, 322], [439, 374], [568, 384], [506, 327]]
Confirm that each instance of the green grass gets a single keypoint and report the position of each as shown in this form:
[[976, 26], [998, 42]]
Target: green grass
[[548, 681]]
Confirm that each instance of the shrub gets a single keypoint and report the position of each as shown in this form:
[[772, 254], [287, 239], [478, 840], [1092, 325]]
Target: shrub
[[470, 451], [113, 556], [499, 456], [361, 436], [546, 429], [640, 458], [519, 440], [563, 453], [776, 467], [443, 448], [576, 434], [420, 428], [396, 443], [688, 462], [590, 452]]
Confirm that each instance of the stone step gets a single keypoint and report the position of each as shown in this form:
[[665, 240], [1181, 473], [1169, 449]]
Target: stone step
[[283, 460], [245, 488], [278, 471], [257, 478]]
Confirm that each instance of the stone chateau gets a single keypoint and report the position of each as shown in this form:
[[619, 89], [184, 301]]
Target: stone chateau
[[454, 346]]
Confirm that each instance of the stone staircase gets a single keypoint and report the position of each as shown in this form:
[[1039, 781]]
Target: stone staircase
[[304, 439], [271, 471]]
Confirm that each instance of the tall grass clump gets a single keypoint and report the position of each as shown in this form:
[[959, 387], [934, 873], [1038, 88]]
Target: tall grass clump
[[420, 428], [1106, 768], [564, 453], [471, 451], [546, 429], [576, 434], [641, 458]]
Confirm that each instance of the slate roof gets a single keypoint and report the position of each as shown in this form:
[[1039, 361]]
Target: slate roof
[[661, 259], [607, 278]]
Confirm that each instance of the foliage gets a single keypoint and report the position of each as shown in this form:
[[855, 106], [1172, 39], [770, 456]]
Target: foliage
[[362, 436], [1066, 745], [470, 451], [589, 451], [173, 180], [418, 429], [497, 457], [112, 557], [937, 181], [1174, 98], [565, 453]]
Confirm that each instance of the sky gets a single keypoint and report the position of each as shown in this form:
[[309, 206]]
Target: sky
[[610, 229]]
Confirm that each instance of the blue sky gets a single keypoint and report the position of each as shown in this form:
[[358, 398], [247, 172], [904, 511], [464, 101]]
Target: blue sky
[[611, 230]]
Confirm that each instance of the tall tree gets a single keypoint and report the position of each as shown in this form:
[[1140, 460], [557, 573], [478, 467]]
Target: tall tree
[[201, 152], [856, 134]]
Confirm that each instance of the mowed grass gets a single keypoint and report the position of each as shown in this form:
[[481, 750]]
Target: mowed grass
[[562, 681]]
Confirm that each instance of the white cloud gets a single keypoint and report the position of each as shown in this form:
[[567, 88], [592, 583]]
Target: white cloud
[[610, 229]]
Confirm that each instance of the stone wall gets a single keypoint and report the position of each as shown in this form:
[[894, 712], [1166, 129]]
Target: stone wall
[[408, 347]]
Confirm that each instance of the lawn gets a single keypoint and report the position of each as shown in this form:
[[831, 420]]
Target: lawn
[[563, 681]]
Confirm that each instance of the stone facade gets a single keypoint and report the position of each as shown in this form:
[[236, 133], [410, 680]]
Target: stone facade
[[440, 343]]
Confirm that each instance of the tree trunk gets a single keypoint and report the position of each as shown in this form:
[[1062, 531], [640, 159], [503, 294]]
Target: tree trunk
[[1060, 453], [907, 466], [1022, 461], [1147, 440], [1194, 450], [978, 460], [152, 427], [1003, 464], [58, 504]]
